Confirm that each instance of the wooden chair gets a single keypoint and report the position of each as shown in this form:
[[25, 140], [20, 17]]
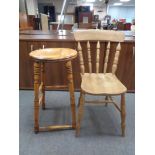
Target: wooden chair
[[101, 82]]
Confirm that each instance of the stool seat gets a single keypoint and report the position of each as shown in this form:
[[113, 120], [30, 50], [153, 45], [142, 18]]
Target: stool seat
[[54, 54]]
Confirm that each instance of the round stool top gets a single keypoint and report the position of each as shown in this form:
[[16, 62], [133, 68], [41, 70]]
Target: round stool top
[[54, 54]]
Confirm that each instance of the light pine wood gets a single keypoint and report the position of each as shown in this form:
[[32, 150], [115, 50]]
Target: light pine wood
[[54, 54], [100, 35], [80, 113], [55, 127], [99, 101], [43, 83], [81, 58], [40, 87], [89, 57], [106, 102], [40, 99], [71, 90], [106, 58], [115, 62], [97, 56], [117, 107], [123, 114], [57, 87], [106, 84], [36, 96]]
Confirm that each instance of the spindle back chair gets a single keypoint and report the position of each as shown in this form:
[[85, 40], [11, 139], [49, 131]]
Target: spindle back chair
[[95, 81]]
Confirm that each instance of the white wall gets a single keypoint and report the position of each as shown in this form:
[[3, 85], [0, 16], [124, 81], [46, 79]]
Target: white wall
[[22, 6], [117, 12], [71, 8], [101, 14], [32, 6], [58, 5]]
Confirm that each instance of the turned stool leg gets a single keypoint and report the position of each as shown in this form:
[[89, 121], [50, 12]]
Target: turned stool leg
[[36, 96], [71, 90], [123, 114], [43, 83], [80, 113]]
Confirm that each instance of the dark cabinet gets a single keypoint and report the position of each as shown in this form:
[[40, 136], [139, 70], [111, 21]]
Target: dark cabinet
[[55, 72], [51, 11], [80, 11]]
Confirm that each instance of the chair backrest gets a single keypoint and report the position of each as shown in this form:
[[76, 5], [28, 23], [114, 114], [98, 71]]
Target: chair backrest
[[44, 22], [90, 36]]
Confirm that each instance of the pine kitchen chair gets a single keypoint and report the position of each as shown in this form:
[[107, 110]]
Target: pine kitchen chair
[[95, 80]]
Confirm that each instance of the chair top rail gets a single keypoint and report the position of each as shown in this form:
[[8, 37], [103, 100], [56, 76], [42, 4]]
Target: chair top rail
[[99, 35]]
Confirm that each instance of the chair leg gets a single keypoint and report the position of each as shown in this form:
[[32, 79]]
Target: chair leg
[[43, 84], [106, 98], [36, 96], [79, 101], [80, 113], [123, 114], [71, 90]]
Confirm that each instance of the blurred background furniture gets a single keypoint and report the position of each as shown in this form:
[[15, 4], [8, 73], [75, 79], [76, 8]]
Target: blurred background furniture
[[127, 26], [37, 23], [85, 25], [44, 22], [50, 11], [24, 24], [54, 25], [120, 26]]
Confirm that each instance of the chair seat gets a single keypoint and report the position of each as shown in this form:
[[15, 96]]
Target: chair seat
[[100, 83], [54, 54]]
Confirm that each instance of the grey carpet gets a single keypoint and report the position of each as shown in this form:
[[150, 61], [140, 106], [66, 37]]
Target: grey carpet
[[100, 128]]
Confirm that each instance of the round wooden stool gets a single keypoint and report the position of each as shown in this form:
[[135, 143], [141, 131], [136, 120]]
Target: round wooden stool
[[40, 57]]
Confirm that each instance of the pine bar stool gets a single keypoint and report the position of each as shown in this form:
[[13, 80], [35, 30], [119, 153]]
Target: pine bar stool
[[40, 57], [99, 82]]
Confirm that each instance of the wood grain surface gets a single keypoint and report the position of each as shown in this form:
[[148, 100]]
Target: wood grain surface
[[56, 75]]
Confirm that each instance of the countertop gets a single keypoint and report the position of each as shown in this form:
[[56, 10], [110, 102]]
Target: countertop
[[57, 36]]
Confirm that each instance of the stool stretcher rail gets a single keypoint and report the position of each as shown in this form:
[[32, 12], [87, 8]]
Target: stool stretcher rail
[[56, 87], [55, 127]]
